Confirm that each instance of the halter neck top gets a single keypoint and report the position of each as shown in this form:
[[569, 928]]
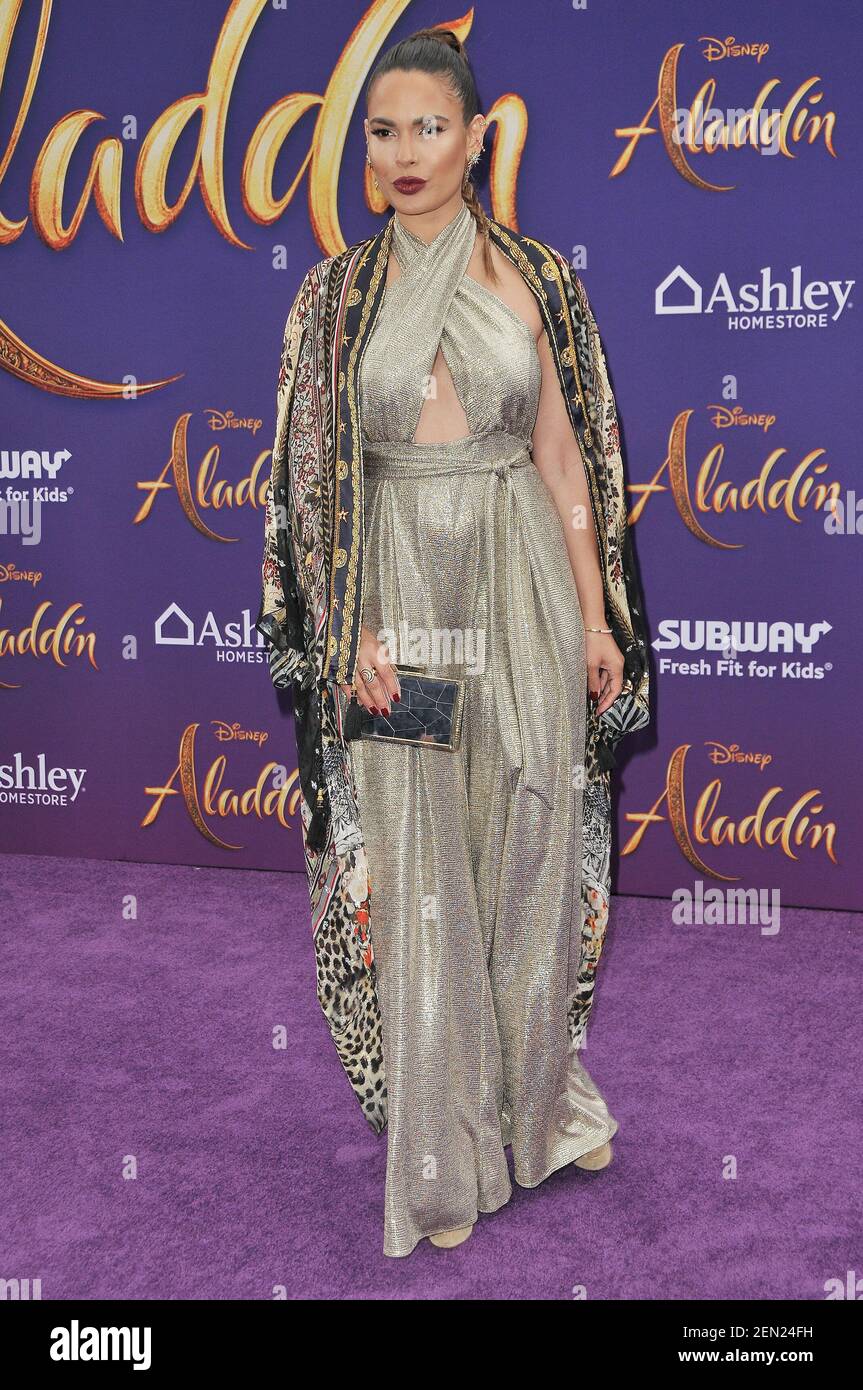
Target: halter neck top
[[489, 349]]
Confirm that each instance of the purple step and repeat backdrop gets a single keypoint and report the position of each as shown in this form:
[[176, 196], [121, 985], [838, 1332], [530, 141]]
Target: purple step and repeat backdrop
[[169, 171]]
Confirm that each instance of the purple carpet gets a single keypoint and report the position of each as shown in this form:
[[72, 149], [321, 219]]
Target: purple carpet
[[155, 1143]]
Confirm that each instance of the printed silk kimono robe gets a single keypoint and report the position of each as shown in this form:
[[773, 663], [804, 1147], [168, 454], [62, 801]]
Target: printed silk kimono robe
[[312, 603]]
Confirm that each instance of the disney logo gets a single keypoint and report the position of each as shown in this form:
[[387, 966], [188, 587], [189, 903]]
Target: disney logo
[[733, 754], [227, 420], [722, 417], [235, 733], [11, 572], [730, 48]]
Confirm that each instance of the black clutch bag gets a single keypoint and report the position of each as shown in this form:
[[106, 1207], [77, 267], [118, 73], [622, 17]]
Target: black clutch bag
[[429, 713]]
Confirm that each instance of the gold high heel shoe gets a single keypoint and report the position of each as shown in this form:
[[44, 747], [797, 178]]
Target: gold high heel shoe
[[446, 1240], [596, 1158]]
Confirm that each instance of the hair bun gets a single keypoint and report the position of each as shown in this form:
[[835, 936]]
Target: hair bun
[[445, 36]]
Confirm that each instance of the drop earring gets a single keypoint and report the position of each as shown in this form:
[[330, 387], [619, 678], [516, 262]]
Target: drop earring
[[471, 162], [469, 166]]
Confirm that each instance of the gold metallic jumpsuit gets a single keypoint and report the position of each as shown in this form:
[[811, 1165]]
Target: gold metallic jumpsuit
[[474, 855]]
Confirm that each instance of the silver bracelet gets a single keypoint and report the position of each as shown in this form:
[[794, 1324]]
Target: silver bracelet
[[597, 629]]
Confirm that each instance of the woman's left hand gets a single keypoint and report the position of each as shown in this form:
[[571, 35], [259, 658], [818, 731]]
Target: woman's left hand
[[604, 668]]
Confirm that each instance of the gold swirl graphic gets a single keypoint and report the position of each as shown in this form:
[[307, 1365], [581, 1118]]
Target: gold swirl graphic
[[24, 362], [52, 186]]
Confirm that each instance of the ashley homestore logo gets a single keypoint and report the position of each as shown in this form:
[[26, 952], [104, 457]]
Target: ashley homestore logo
[[768, 302]]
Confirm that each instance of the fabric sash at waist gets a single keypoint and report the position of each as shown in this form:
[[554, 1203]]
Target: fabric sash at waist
[[520, 703], [474, 453]]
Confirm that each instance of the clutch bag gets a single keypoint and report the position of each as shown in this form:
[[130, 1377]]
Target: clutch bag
[[429, 713]]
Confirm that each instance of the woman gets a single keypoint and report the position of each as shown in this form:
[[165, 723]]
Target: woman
[[447, 461]]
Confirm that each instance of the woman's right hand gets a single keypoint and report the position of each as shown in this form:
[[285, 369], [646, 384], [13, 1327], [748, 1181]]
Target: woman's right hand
[[378, 695]]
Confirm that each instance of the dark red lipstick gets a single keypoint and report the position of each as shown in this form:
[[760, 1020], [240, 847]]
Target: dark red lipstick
[[409, 185]]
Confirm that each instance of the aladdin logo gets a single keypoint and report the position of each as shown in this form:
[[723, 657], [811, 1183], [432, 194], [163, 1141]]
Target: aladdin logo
[[752, 306], [29, 784], [204, 491], [205, 793], [699, 488], [704, 129], [719, 635], [319, 121], [774, 823], [174, 628], [58, 639]]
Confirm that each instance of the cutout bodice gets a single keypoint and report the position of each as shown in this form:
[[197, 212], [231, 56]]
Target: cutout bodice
[[489, 350]]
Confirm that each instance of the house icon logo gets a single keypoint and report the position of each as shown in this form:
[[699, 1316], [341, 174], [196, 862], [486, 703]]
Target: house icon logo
[[184, 637], [694, 290]]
